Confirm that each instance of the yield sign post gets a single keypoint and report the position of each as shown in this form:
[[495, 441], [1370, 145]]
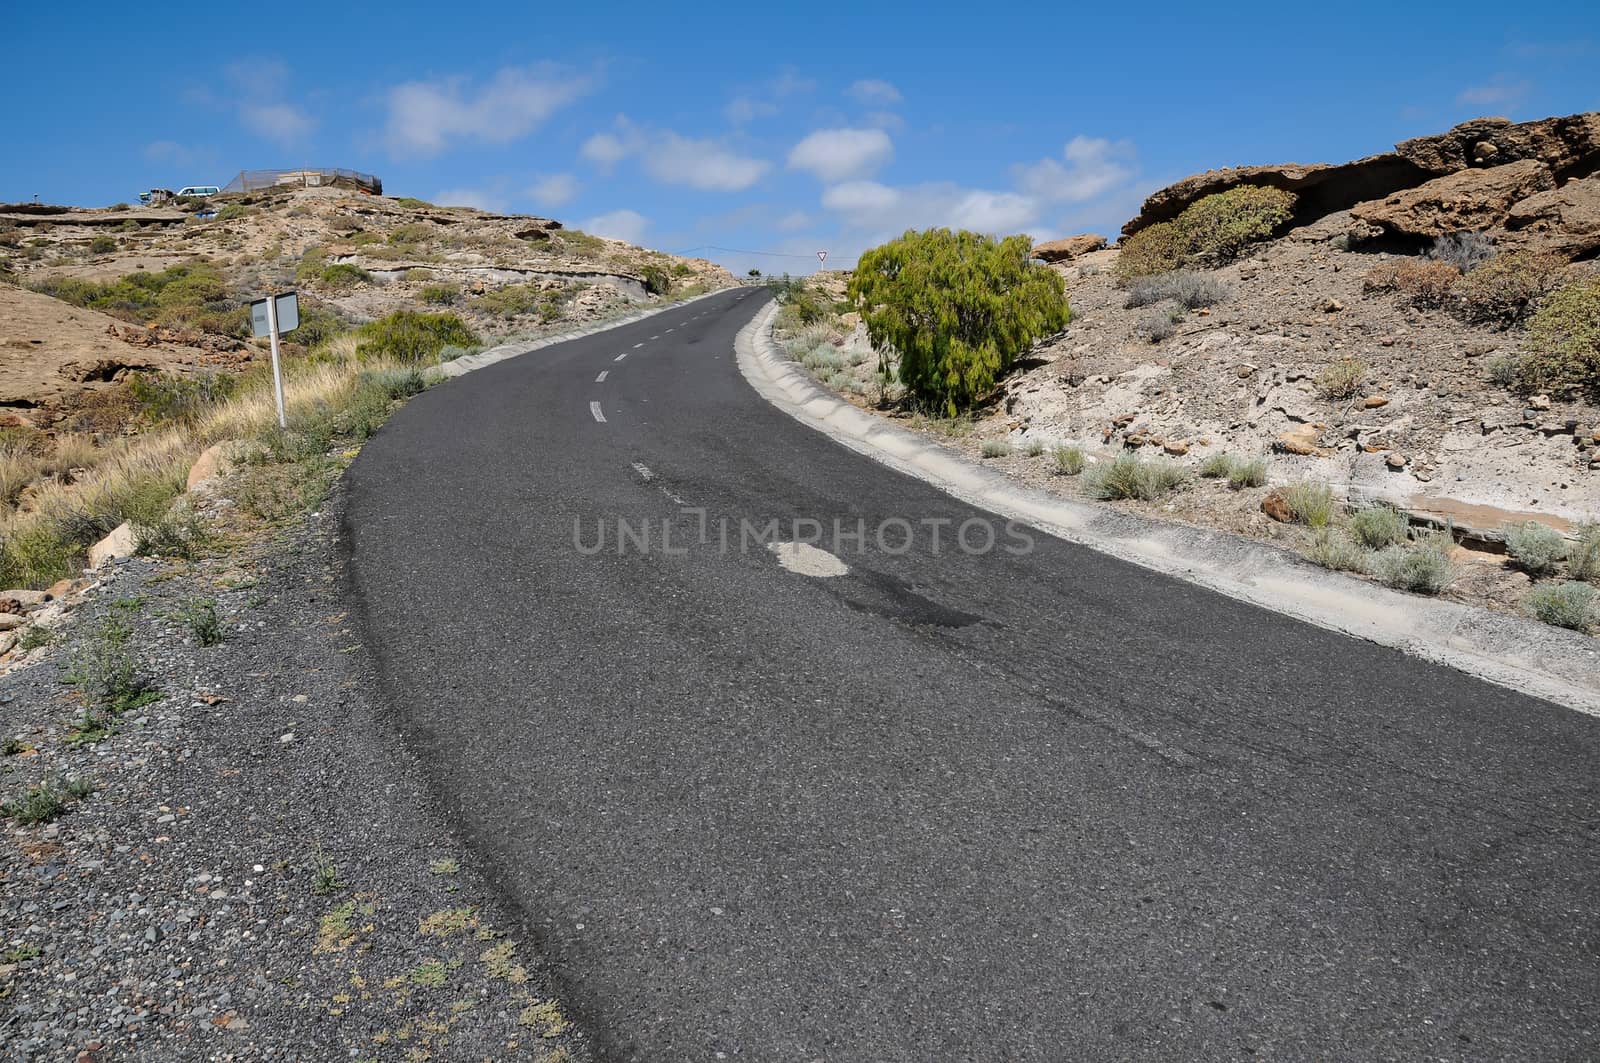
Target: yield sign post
[[822, 259], [269, 317]]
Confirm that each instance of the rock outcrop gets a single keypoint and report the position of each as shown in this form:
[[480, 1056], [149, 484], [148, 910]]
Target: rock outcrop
[[1069, 247], [1399, 193], [1464, 200], [1564, 220]]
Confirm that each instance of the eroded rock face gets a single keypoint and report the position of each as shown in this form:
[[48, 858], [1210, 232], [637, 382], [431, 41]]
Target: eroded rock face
[[1564, 220], [1068, 248], [1567, 147], [1466, 199]]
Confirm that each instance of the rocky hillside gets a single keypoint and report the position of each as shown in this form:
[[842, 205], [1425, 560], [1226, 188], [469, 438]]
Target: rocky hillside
[[88, 296], [1402, 328]]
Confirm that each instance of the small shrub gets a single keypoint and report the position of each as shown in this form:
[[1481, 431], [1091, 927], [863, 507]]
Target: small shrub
[[165, 398], [1158, 324], [103, 244], [1423, 282], [412, 338], [1376, 527], [657, 281], [1189, 290], [33, 636], [1069, 460], [343, 276], [1252, 473], [1334, 550], [1217, 467], [1309, 502], [1157, 248], [996, 448], [1128, 476], [325, 877], [1570, 604], [1535, 548], [1504, 289], [439, 294], [40, 804], [1562, 349], [1464, 251], [412, 202], [1423, 569], [1506, 371], [1222, 225], [1341, 381], [1034, 448], [204, 626], [1583, 556]]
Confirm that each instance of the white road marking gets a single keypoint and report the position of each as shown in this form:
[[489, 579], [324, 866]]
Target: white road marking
[[808, 560], [594, 408], [669, 330], [620, 357], [644, 471], [655, 337], [601, 379], [636, 346]]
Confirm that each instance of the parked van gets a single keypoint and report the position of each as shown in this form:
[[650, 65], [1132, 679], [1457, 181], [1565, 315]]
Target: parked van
[[199, 190]]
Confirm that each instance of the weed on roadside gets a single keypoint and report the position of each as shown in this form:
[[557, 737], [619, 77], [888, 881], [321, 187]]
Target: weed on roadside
[[996, 448], [1569, 605], [1309, 502], [45, 801], [1376, 527], [1535, 548], [1129, 476], [200, 615], [1069, 460], [1334, 550]]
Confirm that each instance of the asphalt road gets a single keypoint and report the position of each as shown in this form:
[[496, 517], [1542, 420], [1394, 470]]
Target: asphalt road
[[953, 804]]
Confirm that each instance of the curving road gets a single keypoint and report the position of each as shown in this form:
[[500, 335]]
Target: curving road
[[951, 804]]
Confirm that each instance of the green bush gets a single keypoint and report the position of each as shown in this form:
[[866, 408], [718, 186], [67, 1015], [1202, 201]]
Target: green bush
[[164, 398], [192, 295], [1252, 473], [1310, 503], [1583, 556], [38, 554], [1189, 290], [1341, 381], [103, 244], [995, 448], [1155, 249], [1378, 526], [1128, 476], [1563, 345], [413, 338], [799, 303], [1504, 289], [439, 294], [957, 308], [343, 276], [1069, 460], [1223, 224], [656, 280], [1535, 548], [412, 202], [509, 301], [1334, 550], [1424, 568], [1217, 466], [1569, 605]]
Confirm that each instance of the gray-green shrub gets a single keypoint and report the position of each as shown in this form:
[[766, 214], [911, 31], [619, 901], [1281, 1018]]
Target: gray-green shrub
[[1069, 460], [1129, 476], [1252, 473], [1309, 502], [1190, 290], [1583, 556], [1376, 527], [1424, 568], [1535, 548], [1570, 604], [1332, 549]]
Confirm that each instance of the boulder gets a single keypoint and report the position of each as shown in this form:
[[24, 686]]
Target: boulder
[[1069, 248], [122, 542], [1276, 506], [1302, 440], [1467, 199], [1563, 144], [1564, 221], [212, 463]]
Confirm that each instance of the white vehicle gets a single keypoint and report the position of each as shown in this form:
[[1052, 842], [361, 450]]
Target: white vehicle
[[199, 190]]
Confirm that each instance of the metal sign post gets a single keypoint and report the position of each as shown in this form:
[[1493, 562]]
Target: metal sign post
[[822, 259], [269, 317]]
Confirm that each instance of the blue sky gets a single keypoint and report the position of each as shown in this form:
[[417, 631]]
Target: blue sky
[[773, 127]]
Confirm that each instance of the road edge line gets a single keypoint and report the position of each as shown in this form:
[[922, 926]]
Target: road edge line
[[1524, 655]]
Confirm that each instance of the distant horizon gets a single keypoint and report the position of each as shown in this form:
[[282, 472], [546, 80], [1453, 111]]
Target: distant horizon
[[669, 131]]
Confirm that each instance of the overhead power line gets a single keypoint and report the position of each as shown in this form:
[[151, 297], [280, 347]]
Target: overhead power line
[[737, 251]]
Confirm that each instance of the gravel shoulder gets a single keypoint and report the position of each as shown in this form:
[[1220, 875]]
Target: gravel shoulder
[[258, 873]]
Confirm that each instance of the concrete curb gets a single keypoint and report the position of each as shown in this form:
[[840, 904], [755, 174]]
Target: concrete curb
[[467, 363], [1527, 656]]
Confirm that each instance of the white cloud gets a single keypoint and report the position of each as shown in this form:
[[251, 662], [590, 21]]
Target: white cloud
[[625, 225], [742, 109], [1092, 166], [761, 101], [672, 159], [280, 122], [426, 116], [841, 154], [480, 198], [553, 190], [871, 206], [1500, 92], [874, 91], [794, 221]]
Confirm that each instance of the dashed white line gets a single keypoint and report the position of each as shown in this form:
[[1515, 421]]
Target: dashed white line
[[601, 379], [655, 337], [620, 357], [669, 330], [594, 408], [636, 346], [640, 468]]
